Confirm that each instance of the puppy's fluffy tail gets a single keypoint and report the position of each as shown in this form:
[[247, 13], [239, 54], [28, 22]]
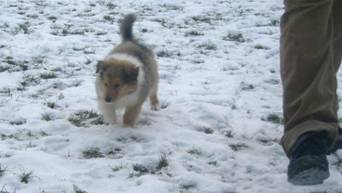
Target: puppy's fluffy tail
[[126, 27]]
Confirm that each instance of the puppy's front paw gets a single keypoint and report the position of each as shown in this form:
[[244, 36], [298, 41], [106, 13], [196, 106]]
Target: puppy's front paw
[[129, 123], [110, 121], [155, 107], [155, 104]]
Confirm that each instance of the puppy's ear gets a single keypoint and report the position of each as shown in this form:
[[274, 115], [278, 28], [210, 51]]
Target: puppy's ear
[[130, 74], [99, 66]]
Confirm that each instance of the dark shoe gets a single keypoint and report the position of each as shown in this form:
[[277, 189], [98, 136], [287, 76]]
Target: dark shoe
[[308, 160]]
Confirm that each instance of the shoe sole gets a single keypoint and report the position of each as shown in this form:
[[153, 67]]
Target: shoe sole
[[309, 177], [312, 170]]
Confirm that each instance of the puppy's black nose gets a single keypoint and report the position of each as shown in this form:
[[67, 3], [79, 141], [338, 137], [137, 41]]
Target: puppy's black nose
[[108, 99]]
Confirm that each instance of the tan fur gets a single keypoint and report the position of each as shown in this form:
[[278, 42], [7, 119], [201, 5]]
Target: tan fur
[[126, 78]]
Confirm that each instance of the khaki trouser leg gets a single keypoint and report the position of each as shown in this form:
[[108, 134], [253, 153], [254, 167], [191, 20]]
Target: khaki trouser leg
[[308, 60]]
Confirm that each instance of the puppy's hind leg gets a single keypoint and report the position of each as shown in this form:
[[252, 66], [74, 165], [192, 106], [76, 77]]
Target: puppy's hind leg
[[131, 115], [108, 112], [154, 99]]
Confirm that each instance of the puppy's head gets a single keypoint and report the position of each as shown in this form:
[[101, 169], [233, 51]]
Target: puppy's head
[[117, 78]]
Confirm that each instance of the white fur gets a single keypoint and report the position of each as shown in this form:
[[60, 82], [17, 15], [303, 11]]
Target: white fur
[[108, 109]]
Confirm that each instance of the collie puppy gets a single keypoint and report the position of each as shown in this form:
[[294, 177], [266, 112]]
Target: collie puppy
[[126, 77]]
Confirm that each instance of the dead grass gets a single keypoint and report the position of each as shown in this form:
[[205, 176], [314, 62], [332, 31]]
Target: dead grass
[[26, 177]]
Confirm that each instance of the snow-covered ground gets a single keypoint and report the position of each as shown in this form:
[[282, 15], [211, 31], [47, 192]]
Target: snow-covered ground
[[219, 126]]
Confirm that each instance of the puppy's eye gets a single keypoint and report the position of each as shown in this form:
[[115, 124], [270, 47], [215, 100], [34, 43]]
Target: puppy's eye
[[106, 84]]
